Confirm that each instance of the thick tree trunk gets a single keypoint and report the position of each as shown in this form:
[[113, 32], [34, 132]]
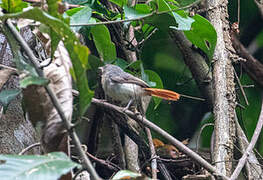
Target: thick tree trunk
[[224, 90], [16, 133]]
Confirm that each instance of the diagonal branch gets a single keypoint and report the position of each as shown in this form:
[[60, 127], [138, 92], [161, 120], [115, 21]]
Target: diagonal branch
[[252, 66], [166, 135], [250, 147]]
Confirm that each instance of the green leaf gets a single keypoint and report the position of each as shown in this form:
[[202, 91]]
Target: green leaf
[[72, 11], [71, 43], [80, 17], [53, 8], [184, 23], [30, 80], [126, 174], [154, 77], [103, 43], [185, 2], [55, 38], [120, 3], [203, 35], [13, 6], [86, 94], [141, 10], [28, 167], [6, 96], [83, 54], [163, 5], [121, 63], [95, 62]]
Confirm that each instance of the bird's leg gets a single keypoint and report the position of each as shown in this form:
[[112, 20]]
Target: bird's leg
[[128, 105]]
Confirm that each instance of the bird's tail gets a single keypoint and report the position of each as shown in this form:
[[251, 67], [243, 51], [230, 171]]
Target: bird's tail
[[163, 93]]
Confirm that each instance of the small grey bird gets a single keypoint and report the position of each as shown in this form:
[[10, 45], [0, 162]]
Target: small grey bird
[[126, 88]]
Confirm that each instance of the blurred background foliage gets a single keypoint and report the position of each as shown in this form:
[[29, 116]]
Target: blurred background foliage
[[184, 118]]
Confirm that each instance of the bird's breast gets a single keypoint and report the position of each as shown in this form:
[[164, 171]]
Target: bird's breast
[[124, 92]]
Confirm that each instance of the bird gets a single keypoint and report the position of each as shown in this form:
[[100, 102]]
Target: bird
[[126, 89]]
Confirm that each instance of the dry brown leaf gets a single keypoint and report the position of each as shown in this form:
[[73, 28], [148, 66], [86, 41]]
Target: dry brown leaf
[[39, 106]]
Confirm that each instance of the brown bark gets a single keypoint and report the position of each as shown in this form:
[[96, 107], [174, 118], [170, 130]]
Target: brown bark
[[16, 132], [224, 90]]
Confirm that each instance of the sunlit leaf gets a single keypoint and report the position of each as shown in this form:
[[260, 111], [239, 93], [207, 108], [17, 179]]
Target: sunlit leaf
[[103, 43], [13, 6], [142, 10], [184, 23], [119, 2], [80, 17], [28, 167], [203, 35]]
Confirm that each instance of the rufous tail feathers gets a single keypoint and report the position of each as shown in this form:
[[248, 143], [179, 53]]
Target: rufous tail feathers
[[163, 93]]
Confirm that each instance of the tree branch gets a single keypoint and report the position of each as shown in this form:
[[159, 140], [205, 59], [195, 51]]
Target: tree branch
[[253, 167], [250, 147], [252, 66], [171, 139], [197, 65], [224, 88]]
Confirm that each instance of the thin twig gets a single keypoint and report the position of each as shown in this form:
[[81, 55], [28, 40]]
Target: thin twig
[[109, 164], [138, 18], [192, 97], [153, 154], [166, 135], [253, 67], [199, 134], [248, 86], [250, 147], [86, 162], [241, 88], [8, 67], [29, 148]]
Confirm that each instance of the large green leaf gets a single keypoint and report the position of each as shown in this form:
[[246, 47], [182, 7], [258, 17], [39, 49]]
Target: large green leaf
[[119, 2], [28, 167], [73, 46], [55, 38], [13, 6], [184, 22], [82, 16], [6, 96], [53, 8], [103, 43], [203, 35], [140, 11]]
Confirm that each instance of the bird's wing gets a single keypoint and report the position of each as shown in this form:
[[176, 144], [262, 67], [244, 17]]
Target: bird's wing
[[128, 78]]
